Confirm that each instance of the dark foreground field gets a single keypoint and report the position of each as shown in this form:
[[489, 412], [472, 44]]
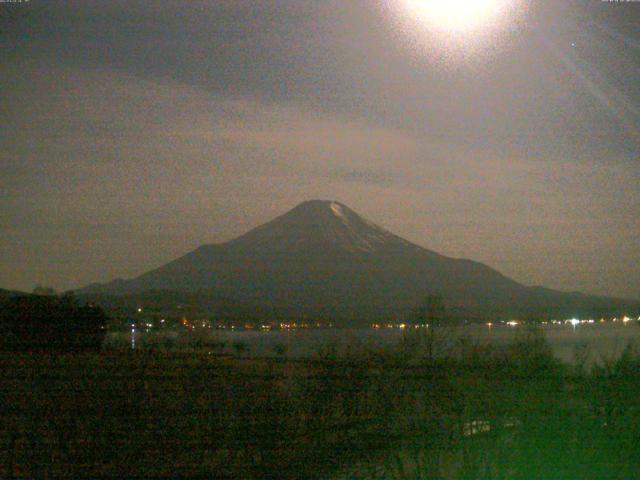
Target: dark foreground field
[[477, 414]]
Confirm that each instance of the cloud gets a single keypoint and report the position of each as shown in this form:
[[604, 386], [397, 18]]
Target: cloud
[[97, 152]]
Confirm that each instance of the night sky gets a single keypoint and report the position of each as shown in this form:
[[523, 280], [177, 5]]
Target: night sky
[[133, 132]]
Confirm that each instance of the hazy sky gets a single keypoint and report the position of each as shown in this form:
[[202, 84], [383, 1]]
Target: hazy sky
[[134, 131]]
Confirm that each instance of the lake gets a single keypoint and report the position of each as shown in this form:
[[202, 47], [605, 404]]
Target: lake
[[599, 340]]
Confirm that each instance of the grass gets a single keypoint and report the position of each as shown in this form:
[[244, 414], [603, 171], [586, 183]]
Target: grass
[[478, 413]]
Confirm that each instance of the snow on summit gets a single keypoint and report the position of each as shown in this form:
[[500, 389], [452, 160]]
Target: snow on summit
[[337, 209], [357, 233]]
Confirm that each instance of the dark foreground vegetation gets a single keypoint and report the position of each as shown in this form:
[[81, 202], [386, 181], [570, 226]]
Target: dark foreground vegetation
[[50, 323], [477, 414]]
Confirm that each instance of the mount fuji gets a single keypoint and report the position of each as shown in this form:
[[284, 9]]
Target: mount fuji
[[323, 260]]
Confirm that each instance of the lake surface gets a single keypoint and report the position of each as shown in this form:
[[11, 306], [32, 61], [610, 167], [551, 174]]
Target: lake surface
[[600, 341]]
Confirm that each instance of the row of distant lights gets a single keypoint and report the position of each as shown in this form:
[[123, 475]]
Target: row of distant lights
[[376, 326], [402, 326], [572, 321], [513, 323], [146, 325], [266, 328]]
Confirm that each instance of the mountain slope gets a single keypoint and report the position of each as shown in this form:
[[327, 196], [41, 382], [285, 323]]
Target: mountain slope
[[323, 259]]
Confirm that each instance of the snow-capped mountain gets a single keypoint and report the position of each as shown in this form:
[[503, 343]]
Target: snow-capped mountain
[[322, 259]]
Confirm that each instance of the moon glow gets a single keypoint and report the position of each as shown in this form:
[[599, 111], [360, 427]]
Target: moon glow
[[457, 15]]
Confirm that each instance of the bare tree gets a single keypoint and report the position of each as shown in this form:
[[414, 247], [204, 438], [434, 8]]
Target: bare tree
[[431, 314]]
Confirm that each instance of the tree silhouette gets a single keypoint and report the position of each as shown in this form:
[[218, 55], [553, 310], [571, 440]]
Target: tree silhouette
[[432, 314], [50, 323], [45, 291], [432, 311]]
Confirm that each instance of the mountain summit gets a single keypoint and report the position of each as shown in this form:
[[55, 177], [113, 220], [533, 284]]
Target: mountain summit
[[320, 223], [322, 259]]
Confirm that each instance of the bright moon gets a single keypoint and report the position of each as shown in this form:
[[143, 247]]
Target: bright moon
[[458, 15]]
